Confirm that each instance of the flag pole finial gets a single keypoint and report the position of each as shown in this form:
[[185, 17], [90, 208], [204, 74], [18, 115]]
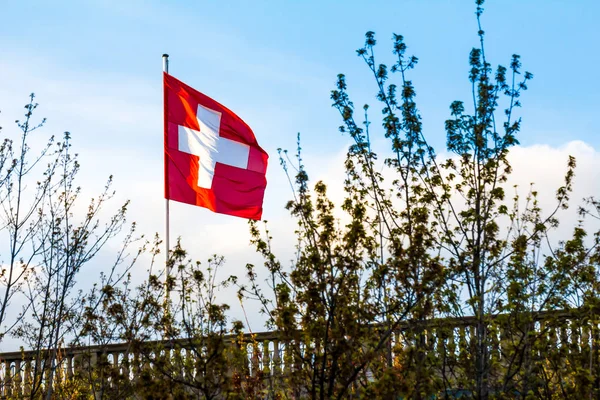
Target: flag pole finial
[[165, 58]]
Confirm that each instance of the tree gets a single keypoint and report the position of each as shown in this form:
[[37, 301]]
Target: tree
[[182, 341], [49, 245], [20, 221], [428, 237]]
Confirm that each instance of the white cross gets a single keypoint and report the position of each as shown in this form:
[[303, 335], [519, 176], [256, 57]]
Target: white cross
[[210, 147]]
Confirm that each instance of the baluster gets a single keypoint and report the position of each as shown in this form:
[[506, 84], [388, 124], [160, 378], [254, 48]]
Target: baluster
[[63, 368], [254, 357], [585, 341], [259, 353], [288, 357], [148, 357], [189, 360], [438, 345], [230, 353], [70, 371], [495, 351], [125, 365], [2, 378], [552, 347], [298, 354], [395, 346], [564, 337], [17, 379], [7, 379], [471, 331], [111, 363], [450, 344], [266, 357], [276, 358], [543, 338], [77, 363], [574, 345], [249, 351], [57, 373], [176, 361], [430, 336], [463, 350], [92, 360], [28, 381], [136, 367], [595, 348], [505, 340], [410, 339]]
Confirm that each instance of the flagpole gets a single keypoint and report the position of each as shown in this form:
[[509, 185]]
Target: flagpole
[[165, 58]]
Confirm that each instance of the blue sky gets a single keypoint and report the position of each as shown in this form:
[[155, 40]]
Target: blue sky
[[96, 69], [277, 61]]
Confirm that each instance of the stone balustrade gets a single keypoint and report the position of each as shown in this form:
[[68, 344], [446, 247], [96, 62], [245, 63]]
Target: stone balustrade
[[266, 352]]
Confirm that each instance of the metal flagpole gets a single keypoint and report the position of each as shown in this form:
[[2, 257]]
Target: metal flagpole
[[165, 58]]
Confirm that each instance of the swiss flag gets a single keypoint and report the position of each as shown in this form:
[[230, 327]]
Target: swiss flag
[[212, 158]]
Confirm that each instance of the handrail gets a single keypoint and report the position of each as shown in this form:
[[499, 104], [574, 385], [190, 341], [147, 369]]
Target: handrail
[[455, 322]]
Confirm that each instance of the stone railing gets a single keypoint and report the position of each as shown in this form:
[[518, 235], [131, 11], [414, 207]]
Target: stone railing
[[265, 351], [268, 353]]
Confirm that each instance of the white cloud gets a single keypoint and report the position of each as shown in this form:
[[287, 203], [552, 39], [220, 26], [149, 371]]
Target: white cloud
[[542, 165]]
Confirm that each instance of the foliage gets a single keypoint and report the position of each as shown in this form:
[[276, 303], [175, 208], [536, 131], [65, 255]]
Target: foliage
[[428, 281], [419, 236]]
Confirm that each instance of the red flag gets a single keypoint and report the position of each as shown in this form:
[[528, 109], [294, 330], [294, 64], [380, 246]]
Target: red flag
[[212, 158]]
